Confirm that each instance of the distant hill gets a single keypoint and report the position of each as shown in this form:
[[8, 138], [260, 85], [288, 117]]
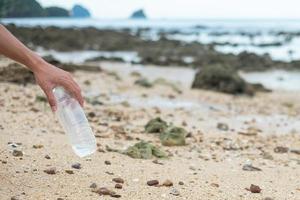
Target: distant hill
[[31, 8], [138, 14], [80, 11]]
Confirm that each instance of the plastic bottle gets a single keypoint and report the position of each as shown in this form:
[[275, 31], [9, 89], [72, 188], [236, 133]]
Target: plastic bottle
[[71, 116]]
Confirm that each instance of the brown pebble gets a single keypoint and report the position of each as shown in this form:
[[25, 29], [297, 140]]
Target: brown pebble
[[93, 185], [69, 171], [181, 183], [104, 191], [118, 180], [118, 186], [254, 189], [152, 182], [115, 195], [76, 166], [17, 153], [47, 157], [37, 146], [51, 171], [107, 162], [215, 185], [281, 149], [168, 183], [14, 198]]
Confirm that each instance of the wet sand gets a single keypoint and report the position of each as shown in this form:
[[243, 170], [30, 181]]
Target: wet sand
[[210, 165]]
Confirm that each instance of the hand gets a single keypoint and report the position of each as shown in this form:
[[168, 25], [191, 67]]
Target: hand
[[49, 76]]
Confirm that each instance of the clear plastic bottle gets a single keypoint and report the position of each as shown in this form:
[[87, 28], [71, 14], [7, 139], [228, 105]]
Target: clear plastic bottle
[[72, 118]]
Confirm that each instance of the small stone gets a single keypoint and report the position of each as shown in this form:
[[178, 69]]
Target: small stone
[[103, 191], [295, 151], [76, 166], [118, 180], [118, 186], [69, 171], [115, 195], [47, 157], [17, 153], [249, 167], [14, 198], [60, 198], [37, 146], [51, 171], [91, 114], [152, 182], [254, 189], [215, 185], [222, 126], [267, 156], [268, 198], [174, 192], [157, 162], [168, 183], [181, 183], [93, 185], [107, 162], [280, 149]]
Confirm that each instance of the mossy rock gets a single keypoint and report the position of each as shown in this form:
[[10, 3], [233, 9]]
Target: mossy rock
[[156, 125], [145, 150], [173, 136], [222, 79], [143, 82]]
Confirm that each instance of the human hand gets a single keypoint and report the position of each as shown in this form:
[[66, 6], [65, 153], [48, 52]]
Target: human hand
[[49, 76]]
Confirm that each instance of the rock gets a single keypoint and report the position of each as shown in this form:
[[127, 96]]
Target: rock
[[143, 82], [249, 167], [103, 191], [17, 153], [156, 125], [222, 126], [281, 149], [118, 180], [180, 183], [91, 115], [167, 183], [37, 146], [295, 151], [221, 79], [69, 171], [107, 162], [267, 156], [268, 198], [16, 73], [50, 171], [76, 166], [118, 186], [93, 185], [215, 185], [47, 157], [173, 136], [115, 195], [174, 192], [144, 150], [138, 14], [254, 189], [14, 198], [152, 182]]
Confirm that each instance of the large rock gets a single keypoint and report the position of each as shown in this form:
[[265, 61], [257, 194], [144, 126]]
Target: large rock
[[80, 11], [138, 14], [222, 79]]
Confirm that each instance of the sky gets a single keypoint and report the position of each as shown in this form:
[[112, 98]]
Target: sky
[[189, 9]]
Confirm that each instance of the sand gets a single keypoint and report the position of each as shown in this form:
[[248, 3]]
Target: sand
[[210, 165]]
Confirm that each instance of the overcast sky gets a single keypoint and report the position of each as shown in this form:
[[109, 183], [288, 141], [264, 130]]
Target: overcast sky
[[187, 8]]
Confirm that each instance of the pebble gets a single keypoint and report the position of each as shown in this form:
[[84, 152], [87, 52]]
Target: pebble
[[181, 183], [215, 185], [118, 180], [93, 185], [174, 192], [76, 166], [47, 157], [14, 198], [107, 162], [295, 151], [37, 146], [103, 191], [118, 186], [168, 183], [17, 153], [115, 195], [249, 167], [281, 149], [51, 171], [69, 171], [222, 126], [152, 182], [254, 189]]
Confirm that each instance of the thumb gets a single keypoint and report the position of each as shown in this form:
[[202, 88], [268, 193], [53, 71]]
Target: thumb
[[51, 99]]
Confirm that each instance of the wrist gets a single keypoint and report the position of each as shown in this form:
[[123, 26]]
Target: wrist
[[35, 63]]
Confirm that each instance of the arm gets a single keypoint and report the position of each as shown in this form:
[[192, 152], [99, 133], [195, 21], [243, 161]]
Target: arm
[[46, 75]]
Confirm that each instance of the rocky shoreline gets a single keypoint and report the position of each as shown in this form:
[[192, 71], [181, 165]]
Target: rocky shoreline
[[163, 51]]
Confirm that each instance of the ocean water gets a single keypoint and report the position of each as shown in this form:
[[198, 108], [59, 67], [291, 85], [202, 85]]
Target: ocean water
[[229, 36]]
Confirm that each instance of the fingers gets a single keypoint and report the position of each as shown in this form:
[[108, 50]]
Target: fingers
[[51, 99], [72, 87]]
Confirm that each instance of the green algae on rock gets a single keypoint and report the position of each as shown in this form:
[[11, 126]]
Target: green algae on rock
[[156, 125], [173, 136], [145, 150]]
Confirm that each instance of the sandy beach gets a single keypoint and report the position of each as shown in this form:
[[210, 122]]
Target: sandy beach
[[233, 141]]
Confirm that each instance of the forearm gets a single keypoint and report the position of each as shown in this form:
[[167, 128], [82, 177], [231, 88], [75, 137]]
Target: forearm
[[11, 47]]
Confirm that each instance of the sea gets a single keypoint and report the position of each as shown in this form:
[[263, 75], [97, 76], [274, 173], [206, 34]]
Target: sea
[[279, 38]]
